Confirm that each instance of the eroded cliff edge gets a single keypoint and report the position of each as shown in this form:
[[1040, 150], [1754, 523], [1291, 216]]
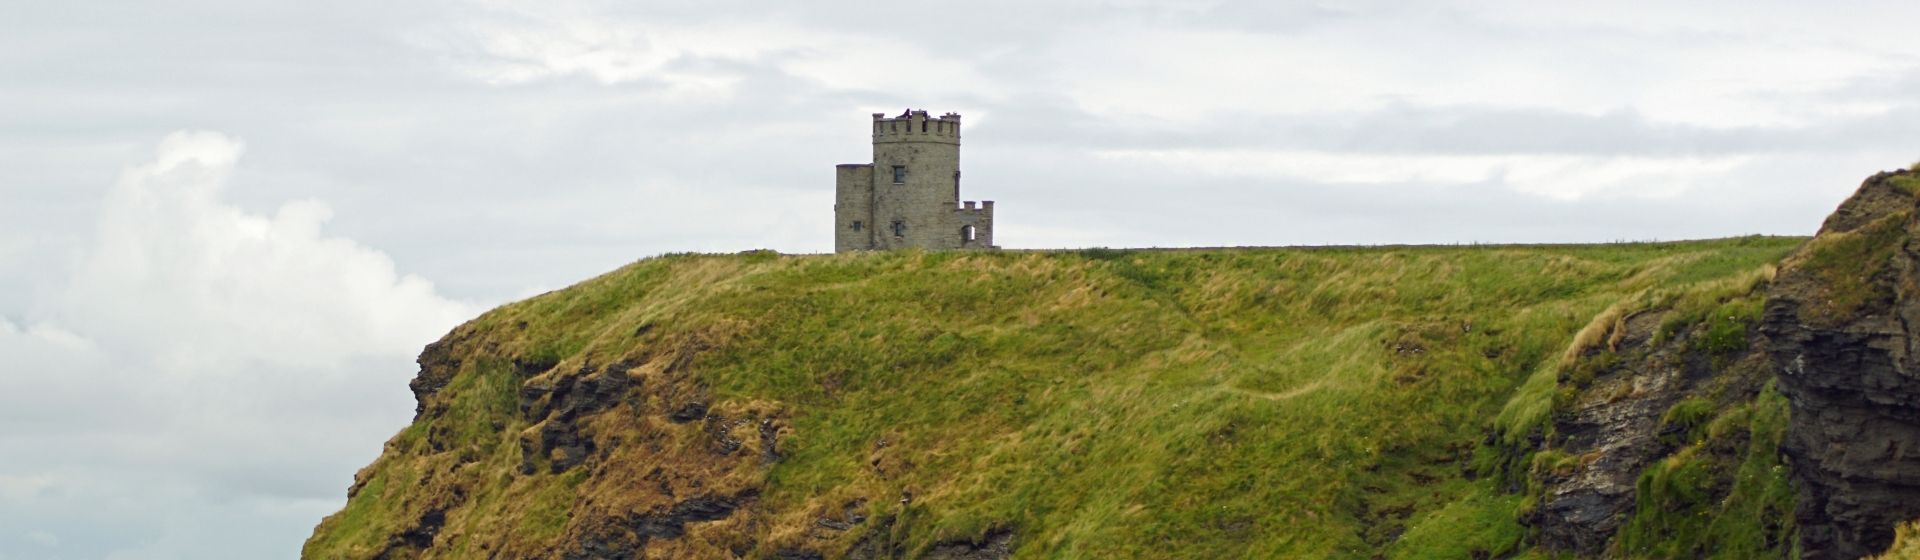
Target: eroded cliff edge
[[1839, 317]]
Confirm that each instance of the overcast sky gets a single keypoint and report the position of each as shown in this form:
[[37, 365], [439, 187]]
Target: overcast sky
[[227, 227]]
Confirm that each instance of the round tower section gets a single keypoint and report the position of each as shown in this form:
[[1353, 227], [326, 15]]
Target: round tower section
[[916, 180]]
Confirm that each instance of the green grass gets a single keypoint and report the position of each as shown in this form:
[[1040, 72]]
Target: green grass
[[1480, 525], [1695, 504], [548, 508], [356, 524], [1689, 417], [1909, 183], [1103, 403], [1845, 262]]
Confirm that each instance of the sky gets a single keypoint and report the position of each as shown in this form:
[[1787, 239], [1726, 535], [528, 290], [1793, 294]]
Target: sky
[[227, 227]]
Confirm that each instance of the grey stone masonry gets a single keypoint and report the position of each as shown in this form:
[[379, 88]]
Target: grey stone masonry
[[910, 195]]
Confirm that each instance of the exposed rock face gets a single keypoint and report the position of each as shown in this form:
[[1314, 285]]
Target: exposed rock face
[[997, 545], [628, 539], [438, 363], [1617, 425], [1583, 506], [1839, 316], [557, 404]]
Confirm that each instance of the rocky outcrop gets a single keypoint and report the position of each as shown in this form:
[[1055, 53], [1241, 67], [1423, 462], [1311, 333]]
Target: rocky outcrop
[[1839, 316], [628, 538], [557, 404], [878, 542], [438, 363], [1585, 501], [1625, 408], [996, 545]]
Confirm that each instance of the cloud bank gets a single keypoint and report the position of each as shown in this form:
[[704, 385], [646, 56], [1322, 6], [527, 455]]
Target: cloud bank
[[208, 377]]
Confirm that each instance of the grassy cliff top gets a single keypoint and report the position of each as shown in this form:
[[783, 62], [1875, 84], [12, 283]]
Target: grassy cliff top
[[1099, 403]]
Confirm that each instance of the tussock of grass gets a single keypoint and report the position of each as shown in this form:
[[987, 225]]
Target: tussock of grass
[[1845, 264], [1481, 525], [1909, 183], [1906, 543], [1688, 418], [1103, 403], [1697, 505]]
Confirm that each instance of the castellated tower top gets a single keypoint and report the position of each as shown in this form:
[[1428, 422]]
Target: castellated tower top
[[916, 126]]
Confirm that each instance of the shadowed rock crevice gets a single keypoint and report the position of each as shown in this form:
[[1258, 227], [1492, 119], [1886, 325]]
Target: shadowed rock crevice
[[628, 538], [408, 543], [995, 545]]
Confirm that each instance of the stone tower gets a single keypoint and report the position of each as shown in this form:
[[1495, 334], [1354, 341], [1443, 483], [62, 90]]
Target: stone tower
[[910, 195]]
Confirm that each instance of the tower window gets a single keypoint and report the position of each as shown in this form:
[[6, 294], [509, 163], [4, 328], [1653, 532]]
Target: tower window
[[899, 228], [967, 234], [857, 225], [899, 174]]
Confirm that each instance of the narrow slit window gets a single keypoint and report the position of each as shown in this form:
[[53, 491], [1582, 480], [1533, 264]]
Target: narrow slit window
[[899, 174], [899, 228]]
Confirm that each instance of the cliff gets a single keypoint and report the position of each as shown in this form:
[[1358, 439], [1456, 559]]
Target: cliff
[[1840, 318], [1394, 402]]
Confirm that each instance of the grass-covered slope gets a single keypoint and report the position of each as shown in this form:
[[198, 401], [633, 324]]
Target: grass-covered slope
[[1222, 403]]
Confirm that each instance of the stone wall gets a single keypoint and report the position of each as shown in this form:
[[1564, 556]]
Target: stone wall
[[853, 207], [980, 219]]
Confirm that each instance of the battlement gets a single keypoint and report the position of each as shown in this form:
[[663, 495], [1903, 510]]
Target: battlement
[[984, 207], [916, 126]]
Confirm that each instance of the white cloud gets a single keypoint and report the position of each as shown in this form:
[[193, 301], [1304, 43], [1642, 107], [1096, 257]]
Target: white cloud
[[170, 258], [59, 337], [202, 358], [519, 46], [20, 488], [1585, 63], [1556, 176]]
